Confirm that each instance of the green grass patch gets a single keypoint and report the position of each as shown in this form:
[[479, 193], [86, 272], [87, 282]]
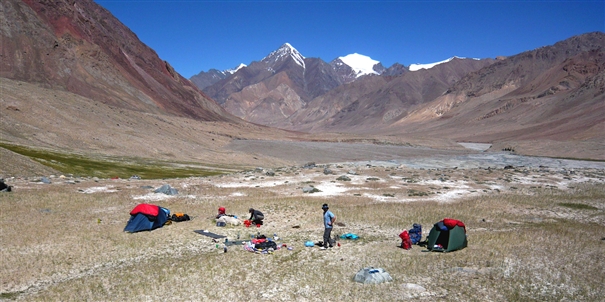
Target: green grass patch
[[109, 167], [577, 206], [10, 296]]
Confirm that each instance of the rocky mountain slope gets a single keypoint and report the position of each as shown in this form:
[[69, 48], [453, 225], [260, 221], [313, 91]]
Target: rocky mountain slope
[[371, 103], [550, 98], [205, 79], [80, 47], [74, 79]]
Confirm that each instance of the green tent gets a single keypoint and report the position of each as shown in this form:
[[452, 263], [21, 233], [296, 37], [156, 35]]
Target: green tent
[[447, 241]]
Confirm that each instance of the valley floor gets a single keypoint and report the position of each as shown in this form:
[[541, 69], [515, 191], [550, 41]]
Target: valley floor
[[530, 224]]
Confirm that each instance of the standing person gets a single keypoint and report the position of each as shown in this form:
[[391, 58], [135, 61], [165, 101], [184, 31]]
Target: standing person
[[329, 219], [256, 216]]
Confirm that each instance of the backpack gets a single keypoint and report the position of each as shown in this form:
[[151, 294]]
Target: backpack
[[406, 243], [265, 245], [415, 233], [178, 217]]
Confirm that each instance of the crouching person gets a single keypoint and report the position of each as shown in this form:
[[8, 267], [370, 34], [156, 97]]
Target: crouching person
[[256, 216]]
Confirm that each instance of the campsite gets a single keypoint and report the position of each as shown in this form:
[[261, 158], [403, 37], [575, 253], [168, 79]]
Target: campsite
[[529, 228], [480, 177]]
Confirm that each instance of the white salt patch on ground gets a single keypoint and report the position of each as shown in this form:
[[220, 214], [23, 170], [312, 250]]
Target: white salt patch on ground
[[153, 197], [460, 184], [265, 183], [357, 180], [106, 189], [246, 184], [451, 195], [383, 198], [238, 194], [476, 146], [554, 180], [329, 189], [576, 180], [497, 187]]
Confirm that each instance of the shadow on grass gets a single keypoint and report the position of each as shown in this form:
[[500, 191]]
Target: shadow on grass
[[577, 206]]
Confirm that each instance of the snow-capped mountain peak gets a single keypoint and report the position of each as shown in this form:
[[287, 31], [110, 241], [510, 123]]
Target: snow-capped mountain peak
[[234, 70], [414, 67], [361, 64], [285, 50]]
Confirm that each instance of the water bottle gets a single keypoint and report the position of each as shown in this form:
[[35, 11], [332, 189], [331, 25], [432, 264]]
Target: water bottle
[[224, 249]]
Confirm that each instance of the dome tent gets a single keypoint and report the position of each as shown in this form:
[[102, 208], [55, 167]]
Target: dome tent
[[146, 217], [447, 235]]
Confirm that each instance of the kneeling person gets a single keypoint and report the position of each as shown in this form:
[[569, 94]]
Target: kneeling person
[[256, 216]]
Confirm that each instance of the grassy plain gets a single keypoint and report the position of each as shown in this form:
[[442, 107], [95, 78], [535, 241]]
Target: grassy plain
[[534, 235]]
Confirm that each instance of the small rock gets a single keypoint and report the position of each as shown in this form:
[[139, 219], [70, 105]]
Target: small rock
[[310, 190], [414, 287], [309, 165], [344, 178]]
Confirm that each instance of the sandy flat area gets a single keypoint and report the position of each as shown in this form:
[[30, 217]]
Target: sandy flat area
[[474, 156]]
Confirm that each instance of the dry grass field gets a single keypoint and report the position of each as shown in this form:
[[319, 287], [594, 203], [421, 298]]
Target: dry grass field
[[534, 234]]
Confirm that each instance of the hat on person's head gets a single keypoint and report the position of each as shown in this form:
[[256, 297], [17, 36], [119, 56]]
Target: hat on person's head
[[325, 206], [221, 210], [250, 210]]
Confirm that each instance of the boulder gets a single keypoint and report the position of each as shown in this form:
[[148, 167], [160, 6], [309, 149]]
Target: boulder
[[166, 189]]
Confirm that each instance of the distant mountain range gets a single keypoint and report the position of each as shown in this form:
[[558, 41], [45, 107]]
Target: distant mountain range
[[554, 91], [348, 68], [285, 89]]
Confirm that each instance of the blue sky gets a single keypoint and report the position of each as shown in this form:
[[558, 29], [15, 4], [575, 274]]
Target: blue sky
[[196, 36]]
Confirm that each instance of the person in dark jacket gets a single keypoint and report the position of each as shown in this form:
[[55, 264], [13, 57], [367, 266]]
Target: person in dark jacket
[[4, 187], [256, 216]]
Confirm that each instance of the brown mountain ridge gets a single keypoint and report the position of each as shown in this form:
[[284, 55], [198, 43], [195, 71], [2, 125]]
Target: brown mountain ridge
[[80, 47], [552, 94]]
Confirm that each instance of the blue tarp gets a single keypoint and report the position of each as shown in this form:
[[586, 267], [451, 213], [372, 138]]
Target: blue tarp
[[349, 236]]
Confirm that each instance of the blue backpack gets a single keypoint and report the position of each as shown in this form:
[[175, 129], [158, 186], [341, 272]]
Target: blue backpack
[[415, 233]]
